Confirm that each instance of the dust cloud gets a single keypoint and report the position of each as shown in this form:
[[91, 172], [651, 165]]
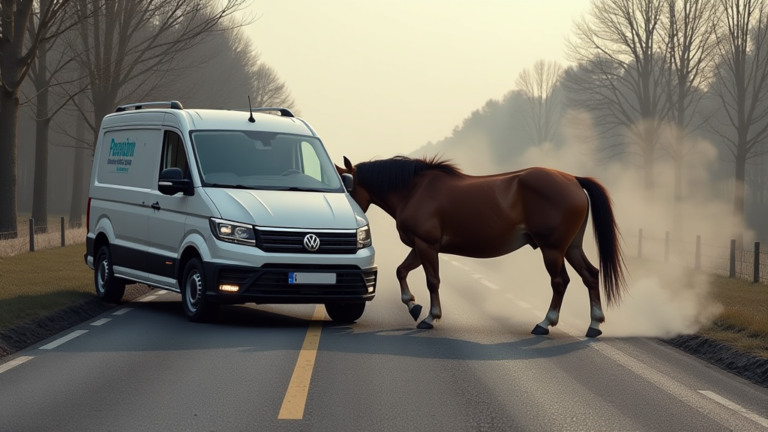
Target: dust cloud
[[662, 300]]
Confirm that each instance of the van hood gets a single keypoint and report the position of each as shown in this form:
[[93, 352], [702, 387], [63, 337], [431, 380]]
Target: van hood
[[287, 209]]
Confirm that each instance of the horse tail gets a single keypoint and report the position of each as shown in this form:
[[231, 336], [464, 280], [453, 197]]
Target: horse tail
[[607, 238]]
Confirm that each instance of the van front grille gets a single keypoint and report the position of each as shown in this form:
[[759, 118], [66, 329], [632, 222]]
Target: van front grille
[[293, 241]]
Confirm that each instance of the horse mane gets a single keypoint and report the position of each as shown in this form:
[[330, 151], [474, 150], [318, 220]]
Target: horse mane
[[382, 176]]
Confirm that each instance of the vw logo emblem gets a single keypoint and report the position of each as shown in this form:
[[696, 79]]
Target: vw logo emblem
[[311, 242]]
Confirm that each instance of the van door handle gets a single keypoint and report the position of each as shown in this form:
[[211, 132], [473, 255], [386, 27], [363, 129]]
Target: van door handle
[[156, 205]]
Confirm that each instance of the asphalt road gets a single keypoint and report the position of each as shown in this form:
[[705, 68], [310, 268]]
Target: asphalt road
[[147, 368]]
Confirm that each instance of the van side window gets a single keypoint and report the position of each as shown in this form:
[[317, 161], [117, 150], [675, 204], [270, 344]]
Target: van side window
[[174, 155], [310, 161]]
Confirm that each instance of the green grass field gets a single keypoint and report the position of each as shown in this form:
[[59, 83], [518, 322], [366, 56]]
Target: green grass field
[[744, 321], [34, 284]]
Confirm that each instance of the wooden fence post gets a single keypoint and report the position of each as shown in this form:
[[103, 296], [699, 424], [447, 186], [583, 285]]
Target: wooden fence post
[[666, 247], [698, 253], [31, 235], [640, 244], [62, 231], [757, 262], [732, 269]]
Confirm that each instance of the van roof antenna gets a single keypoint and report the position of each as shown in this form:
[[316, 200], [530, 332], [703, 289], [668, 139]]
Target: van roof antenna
[[250, 109]]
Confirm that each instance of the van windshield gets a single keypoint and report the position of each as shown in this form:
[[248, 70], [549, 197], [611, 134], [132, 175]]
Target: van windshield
[[264, 160]]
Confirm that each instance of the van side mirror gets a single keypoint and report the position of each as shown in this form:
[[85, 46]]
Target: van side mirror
[[348, 181], [172, 181]]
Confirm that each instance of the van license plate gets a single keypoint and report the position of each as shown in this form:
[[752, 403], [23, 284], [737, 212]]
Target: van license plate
[[311, 278]]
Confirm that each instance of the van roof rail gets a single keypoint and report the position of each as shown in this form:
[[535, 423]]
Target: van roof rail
[[284, 112], [137, 106]]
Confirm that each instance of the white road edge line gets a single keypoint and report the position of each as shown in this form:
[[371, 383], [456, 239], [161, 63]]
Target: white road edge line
[[61, 340], [738, 408], [13, 363], [122, 311], [101, 321], [489, 284], [523, 304], [148, 298], [721, 412]]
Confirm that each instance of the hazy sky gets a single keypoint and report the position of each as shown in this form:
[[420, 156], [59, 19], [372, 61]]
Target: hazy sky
[[379, 78]]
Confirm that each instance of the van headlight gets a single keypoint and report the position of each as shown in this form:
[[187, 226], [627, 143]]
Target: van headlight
[[363, 237], [233, 232]]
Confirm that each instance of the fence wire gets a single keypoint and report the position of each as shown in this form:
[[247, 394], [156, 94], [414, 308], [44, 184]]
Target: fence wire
[[713, 259], [17, 242]]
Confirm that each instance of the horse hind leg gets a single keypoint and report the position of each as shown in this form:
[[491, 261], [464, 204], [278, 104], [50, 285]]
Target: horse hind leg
[[554, 262], [411, 263], [589, 275]]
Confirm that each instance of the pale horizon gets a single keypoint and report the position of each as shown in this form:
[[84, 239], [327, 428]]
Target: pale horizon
[[379, 79]]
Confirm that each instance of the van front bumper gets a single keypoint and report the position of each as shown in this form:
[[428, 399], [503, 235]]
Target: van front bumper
[[269, 284]]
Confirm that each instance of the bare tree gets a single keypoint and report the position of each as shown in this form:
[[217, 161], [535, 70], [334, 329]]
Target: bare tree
[[269, 89], [234, 72], [689, 28], [16, 58], [133, 47], [46, 77], [77, 203], [741, 86], [620, 50], [539, 86]]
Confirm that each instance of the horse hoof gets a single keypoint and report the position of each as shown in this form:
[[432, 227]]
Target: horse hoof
[[425, 326], [540, 331], [415, 311], [593, 332]]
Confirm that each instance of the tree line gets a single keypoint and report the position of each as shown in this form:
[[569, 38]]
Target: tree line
[[65, 64], [655, 77]]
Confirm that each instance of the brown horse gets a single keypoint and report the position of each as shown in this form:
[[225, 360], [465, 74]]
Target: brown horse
[[439, 209]]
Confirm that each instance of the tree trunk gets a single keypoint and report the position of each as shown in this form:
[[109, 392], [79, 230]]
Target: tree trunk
[[9, 116], [677, 218], [738, 199], [77, 207], [40, 194], [648, 172]]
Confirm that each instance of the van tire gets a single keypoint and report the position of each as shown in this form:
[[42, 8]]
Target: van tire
[[196, 305], [345, 312], [109, 288]]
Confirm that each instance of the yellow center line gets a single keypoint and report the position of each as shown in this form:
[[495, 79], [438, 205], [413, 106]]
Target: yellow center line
[[296, 395]]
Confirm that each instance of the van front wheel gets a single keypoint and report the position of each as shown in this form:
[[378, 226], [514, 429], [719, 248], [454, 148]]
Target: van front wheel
[[197, 308], [345, 312], [109, 288]]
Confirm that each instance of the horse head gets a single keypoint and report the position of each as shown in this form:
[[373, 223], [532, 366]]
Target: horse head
[[358, 193]]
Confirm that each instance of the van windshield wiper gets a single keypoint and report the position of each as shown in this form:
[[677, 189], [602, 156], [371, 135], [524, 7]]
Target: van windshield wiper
[[231, 186], [302, 189]]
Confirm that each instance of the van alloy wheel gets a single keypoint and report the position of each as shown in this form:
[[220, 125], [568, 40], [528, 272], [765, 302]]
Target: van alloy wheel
[[109, 288], [194, 290], [197, 307]]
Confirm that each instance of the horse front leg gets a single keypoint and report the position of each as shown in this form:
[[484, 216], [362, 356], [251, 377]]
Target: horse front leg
[[429, 259], [411, 263]]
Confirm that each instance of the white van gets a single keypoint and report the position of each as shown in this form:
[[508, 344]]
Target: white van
[[225, 207]]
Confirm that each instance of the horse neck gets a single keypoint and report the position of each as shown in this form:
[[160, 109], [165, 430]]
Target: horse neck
[[389, 202]]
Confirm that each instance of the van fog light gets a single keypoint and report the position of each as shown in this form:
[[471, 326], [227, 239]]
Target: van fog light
[[370, 289], [229, 288]]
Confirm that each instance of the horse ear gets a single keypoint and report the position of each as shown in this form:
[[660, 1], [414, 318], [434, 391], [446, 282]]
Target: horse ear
[[348, 164], [339, 169]]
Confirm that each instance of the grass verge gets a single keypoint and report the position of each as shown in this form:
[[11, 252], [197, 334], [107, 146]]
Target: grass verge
[[34, 284], [743, 323]]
